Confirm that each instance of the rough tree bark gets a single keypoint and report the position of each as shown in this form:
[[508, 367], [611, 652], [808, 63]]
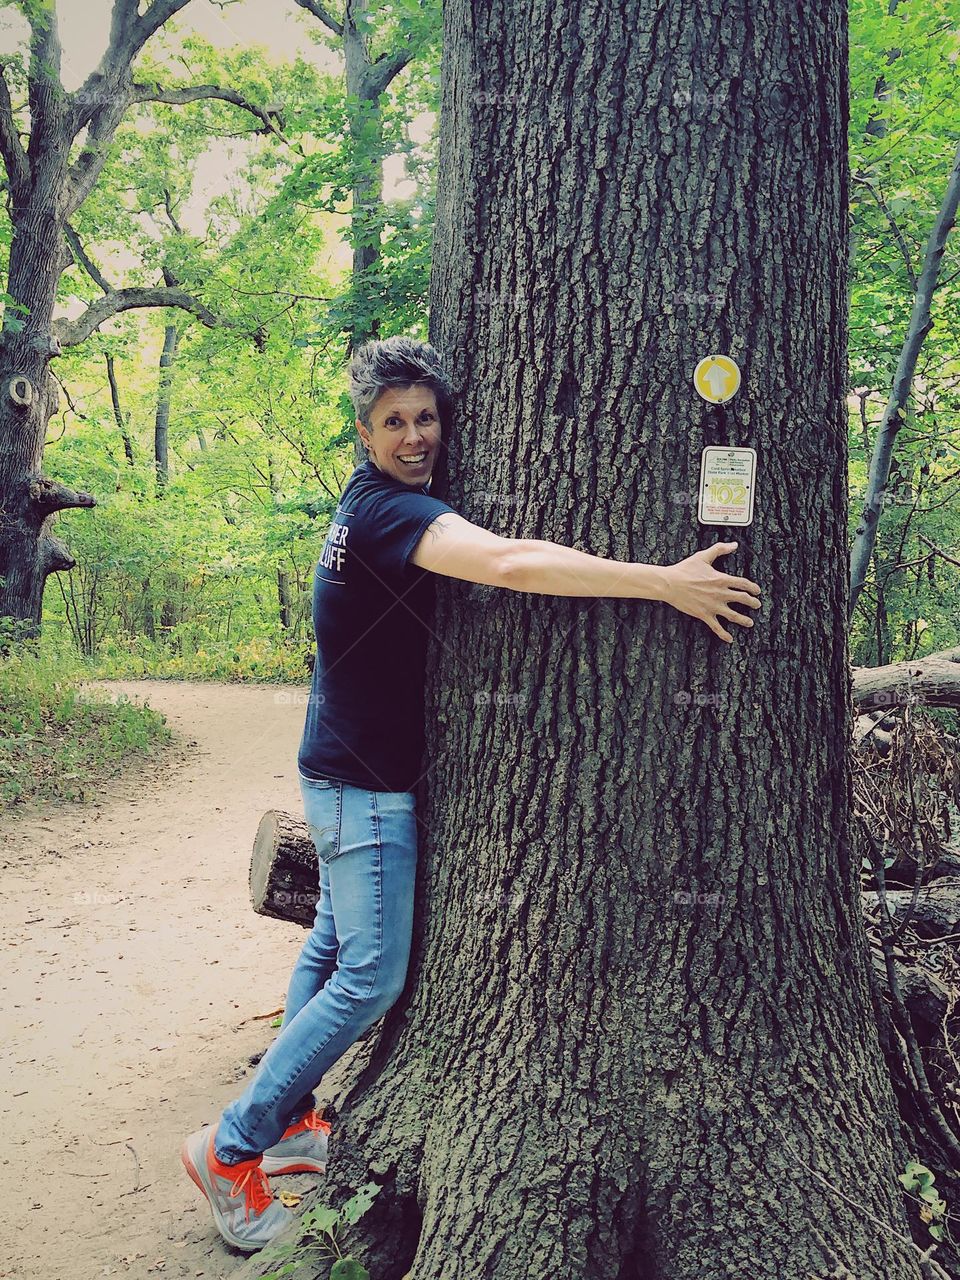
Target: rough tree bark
[[283, 886], [44, 190], [638, 1040]]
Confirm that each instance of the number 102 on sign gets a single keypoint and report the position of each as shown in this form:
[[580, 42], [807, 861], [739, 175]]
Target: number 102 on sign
[[727, 485]]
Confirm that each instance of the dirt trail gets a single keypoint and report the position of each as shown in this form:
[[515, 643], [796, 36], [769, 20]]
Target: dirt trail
[[133, 965]]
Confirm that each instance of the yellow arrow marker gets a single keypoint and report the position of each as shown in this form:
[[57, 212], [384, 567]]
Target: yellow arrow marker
[[717, 378]]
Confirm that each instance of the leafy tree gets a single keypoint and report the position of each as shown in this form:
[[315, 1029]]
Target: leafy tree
[[47, 181], [905, 303]]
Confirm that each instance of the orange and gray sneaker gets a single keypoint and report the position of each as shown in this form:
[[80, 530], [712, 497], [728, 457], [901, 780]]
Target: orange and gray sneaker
[[301, 1149], [239, 1194]]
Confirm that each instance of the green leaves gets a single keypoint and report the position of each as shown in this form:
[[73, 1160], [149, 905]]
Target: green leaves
[[919, 1180], [355, 1208], [348, 1269], [13, 312], [323, 1221]]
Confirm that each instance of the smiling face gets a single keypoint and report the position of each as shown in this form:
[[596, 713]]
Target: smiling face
[[404, 434]]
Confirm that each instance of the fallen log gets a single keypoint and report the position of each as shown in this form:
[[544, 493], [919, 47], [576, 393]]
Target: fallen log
[[283, 869], [948, 864], [925, 996], [937, 911], [933, 681]]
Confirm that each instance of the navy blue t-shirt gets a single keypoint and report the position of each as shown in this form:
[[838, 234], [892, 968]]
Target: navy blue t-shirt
[[364, 720]]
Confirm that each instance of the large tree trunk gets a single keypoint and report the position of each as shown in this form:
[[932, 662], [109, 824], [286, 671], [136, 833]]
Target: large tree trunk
[[640, 1039], [29, 551], [283, 886]]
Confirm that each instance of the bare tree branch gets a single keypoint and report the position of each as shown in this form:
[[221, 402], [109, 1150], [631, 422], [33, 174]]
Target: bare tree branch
[[100, 102], [160, 11], [385, 68], [318, 11], [73, 332], [11, 148], [939, 552], [81, 256], [50, 495], [197, 92], [171, 216], [894, 227], [103, 124], [129, 32], [85, 170]]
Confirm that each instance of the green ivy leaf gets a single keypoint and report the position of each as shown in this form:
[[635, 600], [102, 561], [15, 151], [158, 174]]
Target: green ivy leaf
[[322, 1219], [358, 1205], [348, 1269]]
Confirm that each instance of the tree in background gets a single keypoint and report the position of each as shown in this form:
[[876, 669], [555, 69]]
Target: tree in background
[[905, 329], [48, 181], [405, 32]]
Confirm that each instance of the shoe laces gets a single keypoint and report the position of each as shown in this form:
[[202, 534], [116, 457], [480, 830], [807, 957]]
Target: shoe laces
[[309, 1121], [253, 1184], [313, 1121]]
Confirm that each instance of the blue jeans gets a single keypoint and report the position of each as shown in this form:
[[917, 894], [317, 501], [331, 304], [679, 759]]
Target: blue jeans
[[353, 963]]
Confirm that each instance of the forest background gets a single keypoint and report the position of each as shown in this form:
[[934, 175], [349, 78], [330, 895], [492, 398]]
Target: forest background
[[216, 438]]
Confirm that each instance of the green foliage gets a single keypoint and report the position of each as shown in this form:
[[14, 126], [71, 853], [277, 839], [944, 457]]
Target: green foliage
[[57, 739], [918, 1180], [209, 573], [317, 1236], [13, 314], [904, 131], [186, 654], [201, 577]]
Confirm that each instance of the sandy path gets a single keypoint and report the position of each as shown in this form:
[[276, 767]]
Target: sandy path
[[132, 962]]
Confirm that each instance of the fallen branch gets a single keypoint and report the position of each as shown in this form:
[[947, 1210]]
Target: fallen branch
[[932, 682]]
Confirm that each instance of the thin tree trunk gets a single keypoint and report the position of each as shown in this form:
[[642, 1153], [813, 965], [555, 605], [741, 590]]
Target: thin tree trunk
[[366, 81], [896, 410], [161, 430], [168, 607], [284, 599], [118, 412]]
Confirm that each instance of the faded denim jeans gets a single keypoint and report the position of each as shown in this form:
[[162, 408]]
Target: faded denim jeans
[[353, 964]]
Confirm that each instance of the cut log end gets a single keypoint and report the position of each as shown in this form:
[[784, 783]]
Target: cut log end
[[283, 869]]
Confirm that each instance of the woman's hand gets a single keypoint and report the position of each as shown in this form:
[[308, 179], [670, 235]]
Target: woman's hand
[[696, 588]]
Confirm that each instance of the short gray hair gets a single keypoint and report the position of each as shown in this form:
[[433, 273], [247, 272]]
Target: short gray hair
[[396, 362]]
